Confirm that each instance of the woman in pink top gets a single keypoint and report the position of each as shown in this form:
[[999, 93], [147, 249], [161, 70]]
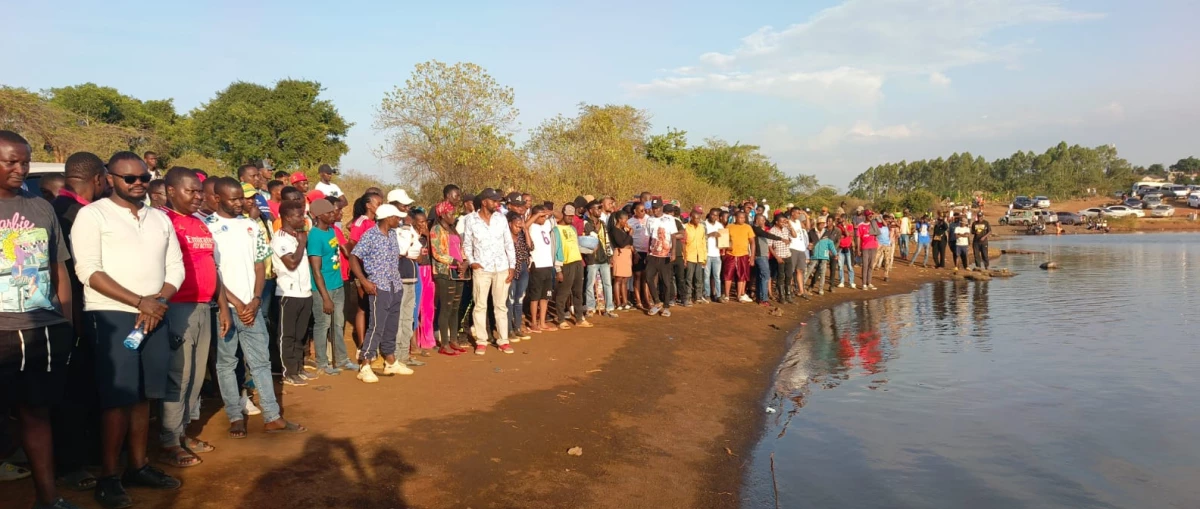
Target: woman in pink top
[[449, 277], [867, 244]]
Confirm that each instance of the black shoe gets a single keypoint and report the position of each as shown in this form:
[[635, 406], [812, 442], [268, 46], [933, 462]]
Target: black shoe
[[111, 494], [151, 477]]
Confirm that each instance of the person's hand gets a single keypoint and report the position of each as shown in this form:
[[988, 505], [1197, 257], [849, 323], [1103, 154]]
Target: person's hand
[[150, 306], [476, 266], [511, 274], [462, 272], [223, 321], [558, 277], [147, 322], [327, 305], [368, 287]]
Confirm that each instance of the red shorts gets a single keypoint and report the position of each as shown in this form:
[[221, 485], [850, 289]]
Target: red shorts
[[736, 268]]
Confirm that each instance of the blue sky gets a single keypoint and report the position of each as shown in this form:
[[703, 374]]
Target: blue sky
[[825, 87]]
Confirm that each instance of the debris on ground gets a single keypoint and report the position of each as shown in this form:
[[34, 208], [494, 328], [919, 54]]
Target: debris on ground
[[575, 451], [770, 410]]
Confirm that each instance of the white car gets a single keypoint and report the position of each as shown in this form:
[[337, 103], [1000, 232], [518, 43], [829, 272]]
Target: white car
[[1194, 201], [1092, 212], [1041, 202], [1122, 211], [1162, 211]]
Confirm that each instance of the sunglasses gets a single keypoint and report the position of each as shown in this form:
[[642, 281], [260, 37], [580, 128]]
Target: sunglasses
[[144, 178]]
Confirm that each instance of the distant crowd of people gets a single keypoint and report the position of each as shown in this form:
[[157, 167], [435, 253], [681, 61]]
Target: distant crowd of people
[[127, 285]]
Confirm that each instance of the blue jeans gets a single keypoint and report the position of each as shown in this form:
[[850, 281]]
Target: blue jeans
[[904, 245], [589, 285], [516, 302], [922, 247], [253, 339], [323, 324], [845, 262], [712, 278], [763, 265]]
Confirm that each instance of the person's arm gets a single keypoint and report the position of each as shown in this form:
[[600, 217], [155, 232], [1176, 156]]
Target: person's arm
[[510, 252], [356, 268], [291, 255], [62, 288], [89, 266], [468, 246], [314, 261], [435, 245]]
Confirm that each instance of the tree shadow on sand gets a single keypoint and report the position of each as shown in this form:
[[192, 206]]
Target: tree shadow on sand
[[330, 472]]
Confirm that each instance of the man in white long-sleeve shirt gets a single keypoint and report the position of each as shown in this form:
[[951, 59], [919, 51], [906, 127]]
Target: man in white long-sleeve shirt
[[488, 247], [128, 259]]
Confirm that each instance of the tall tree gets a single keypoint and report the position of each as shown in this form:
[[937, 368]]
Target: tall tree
[[288, 124]]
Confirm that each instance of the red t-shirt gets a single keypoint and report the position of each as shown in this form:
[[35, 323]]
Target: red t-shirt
[[199, 263], [865, 239], [341, 238], [274, 205], [360, 226]]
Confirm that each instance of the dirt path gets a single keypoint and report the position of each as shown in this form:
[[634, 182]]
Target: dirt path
[[665, 410]]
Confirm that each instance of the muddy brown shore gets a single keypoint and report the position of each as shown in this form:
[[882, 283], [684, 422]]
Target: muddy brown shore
[[665, 410]]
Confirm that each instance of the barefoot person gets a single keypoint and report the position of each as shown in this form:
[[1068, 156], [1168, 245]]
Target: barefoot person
[[127, 283]]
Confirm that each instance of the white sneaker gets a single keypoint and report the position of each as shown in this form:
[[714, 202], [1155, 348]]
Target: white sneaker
[[841, 285], [744, 298], [249, 405], [396, 368], [852, 285], [366, 374]]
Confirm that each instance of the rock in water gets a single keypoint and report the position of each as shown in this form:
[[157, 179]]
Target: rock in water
[[1049, 265]]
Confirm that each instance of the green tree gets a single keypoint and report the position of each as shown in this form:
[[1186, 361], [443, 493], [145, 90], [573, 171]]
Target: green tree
[[288, 124], [1187, 166], [450, 123]]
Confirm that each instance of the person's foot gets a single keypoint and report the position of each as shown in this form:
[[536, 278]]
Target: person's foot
[[294, 381], [366, 374], [396, 368], [309, 375], [519, 334], [513, 339], [506, 348], [59, 503], [585, 324], [564, 325], [745, 298], [822, 292], [654, 310], [111, 494], [248, 405], [687, 304], [460, 348], [610, 314], [414, 362], [841, 285], [332, 371], [480, 349], [281, 425], [765, 303], [885, 279], [666, 313], [549, 328], [150, 476], [349, 366], [79, 480], [11, 472], [449, 352], [724, 299], [178, 457]]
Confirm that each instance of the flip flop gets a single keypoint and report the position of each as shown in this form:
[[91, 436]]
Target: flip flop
[[180, 458], [79, 480], [10, 472], [237, 429], [197, 445], [289, 427]]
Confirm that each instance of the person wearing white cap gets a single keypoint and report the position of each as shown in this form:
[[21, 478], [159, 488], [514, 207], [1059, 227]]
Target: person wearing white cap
[[410, 249], [374, 263], [488, 247]]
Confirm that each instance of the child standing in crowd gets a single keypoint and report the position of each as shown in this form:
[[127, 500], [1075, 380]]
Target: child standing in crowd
[[542, 268]]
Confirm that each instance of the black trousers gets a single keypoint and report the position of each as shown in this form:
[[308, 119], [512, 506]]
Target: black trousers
[[294, 315], [569, 292], [449, 298], [679, 267], [939, 253], [981, 254], [657, 266]]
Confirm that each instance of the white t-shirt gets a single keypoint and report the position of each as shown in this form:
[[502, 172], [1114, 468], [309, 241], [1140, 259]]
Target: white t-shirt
[[641, 238], [905, 226], [239, 247], [409, 242], [962, 236], [709, 229], [541, 251], [290, 283], [329, 189], [800, 241], [668, 228]]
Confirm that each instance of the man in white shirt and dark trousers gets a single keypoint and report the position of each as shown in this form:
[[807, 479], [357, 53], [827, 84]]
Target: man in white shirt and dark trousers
[[488, 247], [241, 253], [661, 231], [128, 258], [293, 286]]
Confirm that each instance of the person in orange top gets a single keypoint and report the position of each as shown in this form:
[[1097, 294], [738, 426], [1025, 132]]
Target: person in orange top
[[736, 264]]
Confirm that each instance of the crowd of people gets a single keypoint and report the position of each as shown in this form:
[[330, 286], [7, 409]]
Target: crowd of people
[[127, 285]]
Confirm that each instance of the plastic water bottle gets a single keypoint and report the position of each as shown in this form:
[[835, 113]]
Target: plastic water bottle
[[134, 339]]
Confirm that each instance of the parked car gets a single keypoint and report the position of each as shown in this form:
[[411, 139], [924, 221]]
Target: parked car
[[1194, 201], [1092, 212], [1023, 203], [1122, 211], [1193, 189], [1167, 192], [1041, 202], [1133, 203], [1069, 218], [1047, 216], [1016, 216], [1150, 201], [1181, 191], [33, 180], [1162, 211]]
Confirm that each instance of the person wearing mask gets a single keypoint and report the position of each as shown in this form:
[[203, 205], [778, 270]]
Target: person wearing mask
[[326, 186], [329, 301], [981, 230], [962, 244], [762, 259], [923, 231], [696, 256], [941, 234], [661, 232], [520, 284], [736, 264], [568, 266], [599, 261], [488, 247], [374, 263], [713, 226], [450, 274], [125, 286], [846, 243]]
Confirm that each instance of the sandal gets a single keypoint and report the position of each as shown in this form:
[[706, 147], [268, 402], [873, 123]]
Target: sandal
[[288, 427], [10, 472], [197, 445], [237, 429], [549, 328], [79, 480], [179, 457], [450, 352]]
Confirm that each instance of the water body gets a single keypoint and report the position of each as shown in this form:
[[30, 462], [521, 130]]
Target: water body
[[1071, 388]]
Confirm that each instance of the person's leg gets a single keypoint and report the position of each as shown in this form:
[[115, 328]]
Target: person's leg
[[254, 341], [404, 328], [679, 268], [360, 316], [516, 304], [446, 315], [573, 272], [337, 331], [226, 367], [183, 342], [38, 442], [762, 265], [482, 285], [780, 281], [691, 290], [285, 335], [903, 241], [321, 327], [562, 295], [606, 285], [712, 278], [868, 265], [983, 253], [589, 290], [499, 291], [390, 316]]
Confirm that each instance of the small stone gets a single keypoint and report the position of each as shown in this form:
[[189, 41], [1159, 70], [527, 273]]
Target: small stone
[[575, 451], [1048, 266]]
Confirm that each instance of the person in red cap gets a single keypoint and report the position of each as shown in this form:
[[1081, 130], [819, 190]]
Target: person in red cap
[[314, 195], [300, 181]]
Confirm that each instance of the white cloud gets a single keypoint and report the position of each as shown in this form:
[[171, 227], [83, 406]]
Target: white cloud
[[779, 138], [861, 43], [938, 79]]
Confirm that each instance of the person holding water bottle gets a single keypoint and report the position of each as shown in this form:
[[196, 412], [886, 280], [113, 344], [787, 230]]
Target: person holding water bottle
[[128, 258]]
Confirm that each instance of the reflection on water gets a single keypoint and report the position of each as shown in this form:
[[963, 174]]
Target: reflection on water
[[1071, 388]]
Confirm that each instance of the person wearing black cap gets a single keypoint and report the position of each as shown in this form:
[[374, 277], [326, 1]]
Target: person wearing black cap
[[326, 185], [662, 232], [516, 203], [488, 247]]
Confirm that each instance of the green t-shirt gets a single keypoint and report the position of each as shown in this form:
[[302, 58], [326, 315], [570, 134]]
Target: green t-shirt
[[324, 243]]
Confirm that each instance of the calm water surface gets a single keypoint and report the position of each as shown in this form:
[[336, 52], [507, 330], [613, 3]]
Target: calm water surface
[[1068, 388]]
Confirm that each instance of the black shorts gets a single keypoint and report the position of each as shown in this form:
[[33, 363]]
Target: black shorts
[[541, 283], [123, 376], [639, 261], [33, 365]]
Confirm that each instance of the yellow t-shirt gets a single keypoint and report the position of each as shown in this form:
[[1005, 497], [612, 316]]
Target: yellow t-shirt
[[570, 244], [740, 237], [697, 243]]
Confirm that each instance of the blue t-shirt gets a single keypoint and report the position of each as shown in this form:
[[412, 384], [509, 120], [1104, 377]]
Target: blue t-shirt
[[922, 228], [885, 237], [324, 243]]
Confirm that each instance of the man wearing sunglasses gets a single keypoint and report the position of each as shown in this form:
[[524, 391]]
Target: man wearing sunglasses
[[128, 258]]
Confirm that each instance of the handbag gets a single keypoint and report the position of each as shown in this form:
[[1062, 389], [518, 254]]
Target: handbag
[[588, 244]]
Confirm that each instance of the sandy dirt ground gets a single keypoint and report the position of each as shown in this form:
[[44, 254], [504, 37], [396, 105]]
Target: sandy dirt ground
[[665, 410]]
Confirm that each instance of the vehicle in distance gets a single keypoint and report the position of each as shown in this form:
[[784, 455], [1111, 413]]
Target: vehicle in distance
[[1133, 203], [1021, 217], [1122, 211], [1041, 202], [1162, 211], [1151, 200], [1092, 212], [1069, 218], [1194, 201], [1023, 203]]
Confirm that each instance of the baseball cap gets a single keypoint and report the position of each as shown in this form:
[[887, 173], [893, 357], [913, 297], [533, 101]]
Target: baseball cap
[[656, 204], [298, 176], [388, 210], [314, 195], [568, 210], [698, 210], [515, 198], [248, 190], [489, 194], [319, 207], [399, 196], [325, 168]]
